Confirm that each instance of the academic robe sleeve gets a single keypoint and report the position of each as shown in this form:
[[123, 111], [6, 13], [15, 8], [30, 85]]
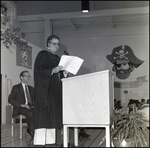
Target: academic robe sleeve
[[41, 67], [42, 78]]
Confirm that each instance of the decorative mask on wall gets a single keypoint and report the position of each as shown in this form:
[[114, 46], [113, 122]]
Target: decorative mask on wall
[[24, 56], [124, 61]]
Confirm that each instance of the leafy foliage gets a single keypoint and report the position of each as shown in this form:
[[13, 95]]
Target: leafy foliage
[[4, 20], [131, 125], [10, 36]]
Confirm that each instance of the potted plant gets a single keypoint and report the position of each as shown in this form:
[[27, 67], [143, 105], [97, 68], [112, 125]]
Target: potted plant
[[129, 128]]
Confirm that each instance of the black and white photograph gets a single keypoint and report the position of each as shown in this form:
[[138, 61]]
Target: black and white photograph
[[74, 73]]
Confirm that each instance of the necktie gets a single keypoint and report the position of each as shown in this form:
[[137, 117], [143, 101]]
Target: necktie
[[28, 95]]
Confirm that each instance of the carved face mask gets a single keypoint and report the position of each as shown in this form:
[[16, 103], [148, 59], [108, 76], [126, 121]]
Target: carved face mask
[[123, 70], [124, 61]]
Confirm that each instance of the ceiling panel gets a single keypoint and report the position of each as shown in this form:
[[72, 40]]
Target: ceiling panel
[[103, 20], [61, 7], [43, 7]]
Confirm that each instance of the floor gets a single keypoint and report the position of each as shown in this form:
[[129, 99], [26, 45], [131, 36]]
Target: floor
[[8, 141]]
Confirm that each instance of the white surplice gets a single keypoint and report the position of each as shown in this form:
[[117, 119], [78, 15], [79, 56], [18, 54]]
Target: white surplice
[[44, 136]]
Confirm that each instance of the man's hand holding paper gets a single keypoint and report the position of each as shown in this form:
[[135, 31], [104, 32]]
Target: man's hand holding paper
[[57, 69], [71, 63]]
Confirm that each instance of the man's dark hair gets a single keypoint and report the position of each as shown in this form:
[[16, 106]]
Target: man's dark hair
[[136, 102], [21, 74], [51, 37]]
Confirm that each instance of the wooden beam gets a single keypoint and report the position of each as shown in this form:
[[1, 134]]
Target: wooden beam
[[70, 15], [48, 30], [112, 23], [74, 27], [8, 4]]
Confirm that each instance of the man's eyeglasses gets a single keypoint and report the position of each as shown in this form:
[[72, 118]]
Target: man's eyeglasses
[[27, 76], [54, 44]]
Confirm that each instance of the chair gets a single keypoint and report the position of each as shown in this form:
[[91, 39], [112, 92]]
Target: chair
[[21, 117]]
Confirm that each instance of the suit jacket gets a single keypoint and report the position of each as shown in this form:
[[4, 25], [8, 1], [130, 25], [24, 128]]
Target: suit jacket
[[17, 97]]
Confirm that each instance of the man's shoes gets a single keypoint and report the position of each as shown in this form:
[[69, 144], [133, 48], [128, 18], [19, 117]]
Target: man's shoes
[[31, 132], [84, 134]]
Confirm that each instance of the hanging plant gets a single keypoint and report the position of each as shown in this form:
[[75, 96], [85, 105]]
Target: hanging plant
[[10, 36], [4, 20]]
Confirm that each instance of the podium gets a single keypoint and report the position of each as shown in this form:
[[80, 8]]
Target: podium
[[87, 102]]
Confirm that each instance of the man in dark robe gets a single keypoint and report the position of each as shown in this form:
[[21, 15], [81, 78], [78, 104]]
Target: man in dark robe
[[48, 92]]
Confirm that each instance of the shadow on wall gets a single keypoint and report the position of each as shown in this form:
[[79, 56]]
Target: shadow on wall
[[83, 70], [117, 94], [31, 82], [61, 50]]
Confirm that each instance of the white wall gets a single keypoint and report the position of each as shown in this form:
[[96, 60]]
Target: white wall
[[9, 70], [93, 44]]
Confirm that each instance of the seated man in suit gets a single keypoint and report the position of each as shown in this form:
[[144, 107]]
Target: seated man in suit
[[22, 99]]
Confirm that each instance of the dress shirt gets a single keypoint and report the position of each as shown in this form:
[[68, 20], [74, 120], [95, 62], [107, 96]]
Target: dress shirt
[[26, 101]]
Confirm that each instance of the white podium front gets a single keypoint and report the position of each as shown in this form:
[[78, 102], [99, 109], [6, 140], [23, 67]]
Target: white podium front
[[88, 102]]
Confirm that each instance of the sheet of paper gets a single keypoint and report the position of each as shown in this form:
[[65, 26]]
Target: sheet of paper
[[71, 63]]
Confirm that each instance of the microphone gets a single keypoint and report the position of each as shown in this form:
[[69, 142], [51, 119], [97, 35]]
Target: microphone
[[66, 53]]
